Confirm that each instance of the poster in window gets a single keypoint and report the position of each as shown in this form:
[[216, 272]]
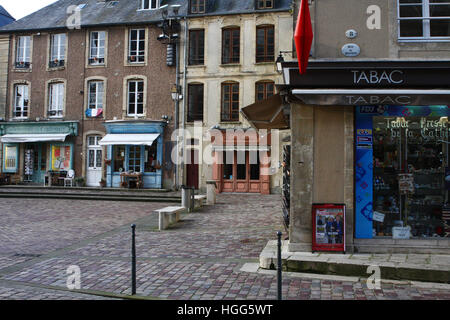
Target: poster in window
[[10, 158], [29, 162], [406, 183], [328, 227], [61, 158]]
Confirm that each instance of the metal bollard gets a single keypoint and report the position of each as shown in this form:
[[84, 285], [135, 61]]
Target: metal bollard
[[133, 259], [279, 268]]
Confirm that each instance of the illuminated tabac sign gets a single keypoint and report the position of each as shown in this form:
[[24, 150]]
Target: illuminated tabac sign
[[365, 75], [363, 83], [378, 76], [355, 99]]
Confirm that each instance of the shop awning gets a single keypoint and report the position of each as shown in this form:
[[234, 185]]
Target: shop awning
[[266, 114], [146, 139], [21, 138]]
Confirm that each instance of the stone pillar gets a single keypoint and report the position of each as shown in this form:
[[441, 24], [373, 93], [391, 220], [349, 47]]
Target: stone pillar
[[265, 171], [187, 198], [349, 163], [302, 167], [211, 192], [217, 161]]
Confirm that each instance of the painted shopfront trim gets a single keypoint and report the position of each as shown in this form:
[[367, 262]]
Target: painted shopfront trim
[[151, 180]]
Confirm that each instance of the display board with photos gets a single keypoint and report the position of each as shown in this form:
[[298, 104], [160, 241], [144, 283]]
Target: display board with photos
[[329, 227]]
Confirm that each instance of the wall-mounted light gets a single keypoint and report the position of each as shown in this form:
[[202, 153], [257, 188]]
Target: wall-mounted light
[[176, 93], [280, 60], [175, 9]]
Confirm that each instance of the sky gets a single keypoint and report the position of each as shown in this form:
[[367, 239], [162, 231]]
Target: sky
[[21, 8]]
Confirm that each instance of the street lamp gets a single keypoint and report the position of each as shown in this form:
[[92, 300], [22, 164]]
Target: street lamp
[[280, 60]]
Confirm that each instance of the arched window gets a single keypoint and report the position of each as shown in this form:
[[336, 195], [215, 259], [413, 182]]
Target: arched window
[[231, 45], [135, 97], [230, 101], [21, 101], [265, 43], [264, 90], [195, 102]]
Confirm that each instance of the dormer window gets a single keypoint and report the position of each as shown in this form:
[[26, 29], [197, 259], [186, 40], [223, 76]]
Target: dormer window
[[265, 4], [149, 4], [198, 6]]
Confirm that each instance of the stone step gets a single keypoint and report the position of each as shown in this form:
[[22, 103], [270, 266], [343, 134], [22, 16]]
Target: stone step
[[92, 197], [429, 268]]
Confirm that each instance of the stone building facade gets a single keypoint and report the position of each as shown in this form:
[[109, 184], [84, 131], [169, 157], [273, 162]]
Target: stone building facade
[[68, 88], [221, 60], [341, 120], [369, 129]]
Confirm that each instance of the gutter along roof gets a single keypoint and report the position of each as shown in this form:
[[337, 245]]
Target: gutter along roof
[[94, 13], [125, 12]]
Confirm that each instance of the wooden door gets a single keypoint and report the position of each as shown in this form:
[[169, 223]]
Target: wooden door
[[242, 172], [192, 170]]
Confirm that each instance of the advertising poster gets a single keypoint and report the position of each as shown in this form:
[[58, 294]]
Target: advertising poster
[[406, 183], [61, 158], [329, 227], [29, 159]]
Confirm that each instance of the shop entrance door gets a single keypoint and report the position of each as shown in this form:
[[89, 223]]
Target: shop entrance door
[[35, 162], [243, 173], [94, 162]]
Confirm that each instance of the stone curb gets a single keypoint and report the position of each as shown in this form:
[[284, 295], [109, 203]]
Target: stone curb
[[254, 268], [341, 265]]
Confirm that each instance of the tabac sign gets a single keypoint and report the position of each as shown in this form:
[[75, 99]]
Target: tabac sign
[[371, 83]]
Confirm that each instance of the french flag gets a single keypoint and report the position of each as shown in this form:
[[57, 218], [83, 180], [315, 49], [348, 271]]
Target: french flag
[[92, 113]]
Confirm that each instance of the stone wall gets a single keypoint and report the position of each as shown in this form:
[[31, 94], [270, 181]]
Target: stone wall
[[322, 167]]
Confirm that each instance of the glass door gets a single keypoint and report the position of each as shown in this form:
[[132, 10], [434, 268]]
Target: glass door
[[94, 162], [35, 162]]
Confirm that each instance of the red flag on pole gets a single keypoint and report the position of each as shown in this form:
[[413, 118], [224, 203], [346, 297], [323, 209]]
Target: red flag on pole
[[303, 36]]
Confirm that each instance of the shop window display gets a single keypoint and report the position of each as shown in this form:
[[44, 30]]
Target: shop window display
[[151, 158], [402, 172], [119, 158]]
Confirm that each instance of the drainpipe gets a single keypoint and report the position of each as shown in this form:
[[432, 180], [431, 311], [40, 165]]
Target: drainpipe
[[183, 113], [177, 107]]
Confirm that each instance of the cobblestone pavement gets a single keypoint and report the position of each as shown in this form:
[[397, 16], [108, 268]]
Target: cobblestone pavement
[[199, 258], [20, 292]]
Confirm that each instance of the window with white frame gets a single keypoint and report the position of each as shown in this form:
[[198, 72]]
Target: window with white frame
[[56, 99], [96, 93], [149, 4], [136, 46], [57, 50], [135, 98], [23, 52], [97, 47], [424, 19], [21, 101]]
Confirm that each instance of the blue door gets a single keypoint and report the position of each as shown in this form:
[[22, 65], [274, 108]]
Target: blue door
[[35, 162]]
